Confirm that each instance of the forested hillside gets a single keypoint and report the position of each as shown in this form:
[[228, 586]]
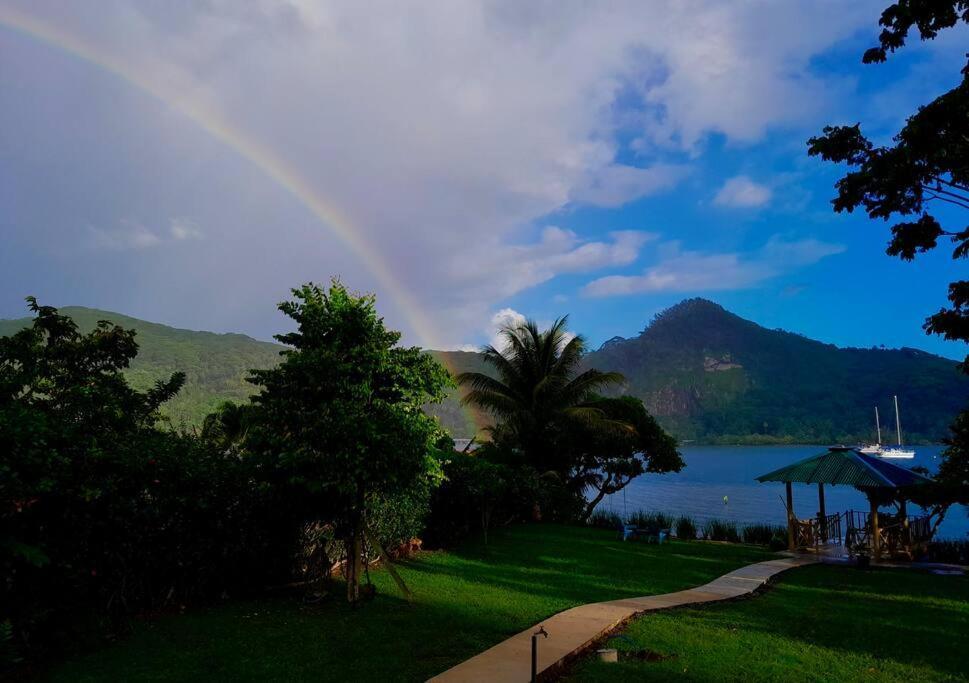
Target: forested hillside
[[707, 374], [710, 375]]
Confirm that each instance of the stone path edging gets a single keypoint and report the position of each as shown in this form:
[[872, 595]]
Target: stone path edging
[[574, 630]]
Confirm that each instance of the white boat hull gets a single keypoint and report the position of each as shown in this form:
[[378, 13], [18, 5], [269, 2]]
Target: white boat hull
[[897, 454]]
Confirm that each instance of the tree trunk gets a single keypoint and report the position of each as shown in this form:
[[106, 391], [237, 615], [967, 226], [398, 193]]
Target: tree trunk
[[388, 564], [591, 505], [354, 559]]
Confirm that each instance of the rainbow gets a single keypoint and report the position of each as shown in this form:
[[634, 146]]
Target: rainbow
[[262, 157], [215, 124]]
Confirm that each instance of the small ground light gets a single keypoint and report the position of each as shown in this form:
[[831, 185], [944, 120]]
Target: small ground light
[[540, 632]]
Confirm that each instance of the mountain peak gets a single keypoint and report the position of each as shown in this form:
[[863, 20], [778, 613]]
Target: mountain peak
[[690, 311]]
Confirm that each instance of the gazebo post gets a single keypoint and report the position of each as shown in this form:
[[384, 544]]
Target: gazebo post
[[906, 534], [790, 515], [823, 521], [876, 540]]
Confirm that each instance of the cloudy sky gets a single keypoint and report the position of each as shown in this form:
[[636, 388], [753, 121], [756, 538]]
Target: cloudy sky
[[189, 162]]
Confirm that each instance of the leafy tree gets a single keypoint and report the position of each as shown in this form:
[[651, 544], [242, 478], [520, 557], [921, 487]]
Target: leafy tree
[[926, 169], [606, 460], [539, 388], [339, 421], [100, 508]]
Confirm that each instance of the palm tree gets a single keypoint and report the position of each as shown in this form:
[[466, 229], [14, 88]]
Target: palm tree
[[538, 386]]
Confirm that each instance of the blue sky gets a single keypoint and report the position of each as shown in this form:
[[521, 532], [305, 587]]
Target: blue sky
[[492, 159]]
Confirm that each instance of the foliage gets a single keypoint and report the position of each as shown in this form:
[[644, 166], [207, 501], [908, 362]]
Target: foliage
[[339, 422], [721, 530], [537, 389], [949, 551], [648, 519], [604, 519], [548, 411], [605, 460], [482, 489], [922, 178], [814, 624], [686, 529], [925, 172], [9, 657], [763, 534], [99, 509], [215, 365], [466, 600]]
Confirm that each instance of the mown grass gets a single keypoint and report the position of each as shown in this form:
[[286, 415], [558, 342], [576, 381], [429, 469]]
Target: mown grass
[[466, 601], [816, 624]]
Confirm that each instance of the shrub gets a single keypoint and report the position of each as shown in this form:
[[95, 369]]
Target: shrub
[[601, 519], [778, 541], [762, 534], [686, 529], [480, 490], [721, 530], [651, 520], [101, 511], [951, 551]]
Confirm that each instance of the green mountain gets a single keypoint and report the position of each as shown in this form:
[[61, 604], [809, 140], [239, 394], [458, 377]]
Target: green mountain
[[215, 365], [712, 376], [707, 374]]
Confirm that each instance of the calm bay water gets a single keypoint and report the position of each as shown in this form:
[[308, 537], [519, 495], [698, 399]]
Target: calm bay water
[[713, 472]]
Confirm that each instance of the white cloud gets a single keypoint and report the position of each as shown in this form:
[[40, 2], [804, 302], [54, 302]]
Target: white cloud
[[185, 229], [126, 235], [506, 317], [615, 185], [693, 271], [506, 270], [509, 317], [743, 193], [441, 132]]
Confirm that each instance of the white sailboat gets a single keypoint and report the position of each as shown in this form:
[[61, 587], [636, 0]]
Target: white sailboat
[[874, 448], [897, 452]]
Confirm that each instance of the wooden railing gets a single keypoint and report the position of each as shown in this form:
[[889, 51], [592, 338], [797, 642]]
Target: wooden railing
[[894, 536]]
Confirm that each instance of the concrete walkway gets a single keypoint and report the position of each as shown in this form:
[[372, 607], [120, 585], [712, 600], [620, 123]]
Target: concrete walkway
[[574, 630]]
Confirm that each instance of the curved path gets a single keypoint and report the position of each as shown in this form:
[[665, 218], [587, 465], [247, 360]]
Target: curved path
[[576, 629]]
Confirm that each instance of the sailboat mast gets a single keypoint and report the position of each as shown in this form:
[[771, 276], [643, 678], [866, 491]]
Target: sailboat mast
[[898, 424], [878, 425]]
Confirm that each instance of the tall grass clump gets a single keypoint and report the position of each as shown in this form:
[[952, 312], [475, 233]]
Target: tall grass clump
[[721, 530], [686, 529], [603, 519], [762, 534], [651, 520]]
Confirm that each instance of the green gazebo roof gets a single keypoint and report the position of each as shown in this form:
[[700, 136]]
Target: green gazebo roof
[[843, 465]]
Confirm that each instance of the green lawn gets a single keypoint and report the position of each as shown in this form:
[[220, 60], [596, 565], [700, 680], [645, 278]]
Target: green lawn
[[466, 601], [816, 624]]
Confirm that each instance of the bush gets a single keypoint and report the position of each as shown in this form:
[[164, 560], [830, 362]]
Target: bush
[[480, 491], [950, 552], [686, 529], [721, 530], [101, 511], [651, 520], [778, 541], [762, 534], [601, 519]]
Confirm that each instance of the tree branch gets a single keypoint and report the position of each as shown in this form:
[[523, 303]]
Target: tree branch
[[947, 200]]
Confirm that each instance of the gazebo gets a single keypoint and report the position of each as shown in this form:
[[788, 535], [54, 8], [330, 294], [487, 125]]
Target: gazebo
[[879, 480]]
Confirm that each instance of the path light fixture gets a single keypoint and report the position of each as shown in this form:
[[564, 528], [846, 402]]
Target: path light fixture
[[540, 632]]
